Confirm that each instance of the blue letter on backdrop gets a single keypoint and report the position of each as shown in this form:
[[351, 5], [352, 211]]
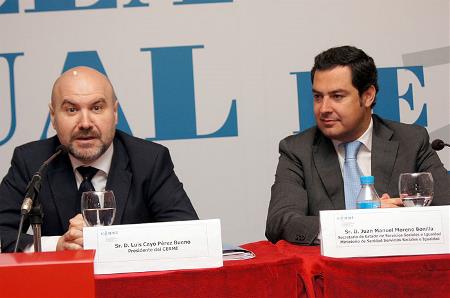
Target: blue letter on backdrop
[[60, 5], [305, 102], [10, 6], [181, 2], [10, 58], [135, 3], [174, 98], [387, 98], [90, 59]]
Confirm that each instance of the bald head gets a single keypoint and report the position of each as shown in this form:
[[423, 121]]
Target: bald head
[[82, 76]]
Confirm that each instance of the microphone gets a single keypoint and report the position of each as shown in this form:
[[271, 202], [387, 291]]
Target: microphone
[[34, 186], [438, 144]]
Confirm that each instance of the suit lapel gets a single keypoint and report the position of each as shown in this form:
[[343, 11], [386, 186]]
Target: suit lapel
[[327, 165], [119, 179], [384, 154], [64, 189]]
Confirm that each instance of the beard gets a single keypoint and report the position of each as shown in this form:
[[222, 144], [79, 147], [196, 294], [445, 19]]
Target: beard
[[87, 154]]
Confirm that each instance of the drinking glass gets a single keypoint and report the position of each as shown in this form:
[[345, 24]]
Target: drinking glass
[[98, 208], [416, 189]]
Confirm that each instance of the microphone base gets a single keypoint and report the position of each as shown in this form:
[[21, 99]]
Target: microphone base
[[37, 237], [36, 215]]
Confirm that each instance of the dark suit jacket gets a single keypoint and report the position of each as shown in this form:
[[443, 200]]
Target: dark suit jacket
[[141, 176], [309, 179]]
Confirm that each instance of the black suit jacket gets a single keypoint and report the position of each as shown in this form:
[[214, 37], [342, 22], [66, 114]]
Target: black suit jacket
[[141, 176], [309, 179]]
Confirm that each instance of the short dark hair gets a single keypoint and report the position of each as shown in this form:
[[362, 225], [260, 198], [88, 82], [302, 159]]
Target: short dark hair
[[364, 71]]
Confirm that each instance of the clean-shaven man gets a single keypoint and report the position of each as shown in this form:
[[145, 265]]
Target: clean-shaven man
[[314, 166]]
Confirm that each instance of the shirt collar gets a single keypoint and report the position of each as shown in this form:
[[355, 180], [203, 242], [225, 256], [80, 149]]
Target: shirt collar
[[103, 163]]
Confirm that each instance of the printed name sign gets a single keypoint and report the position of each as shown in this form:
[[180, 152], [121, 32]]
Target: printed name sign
[[385, 232], [155, 246]]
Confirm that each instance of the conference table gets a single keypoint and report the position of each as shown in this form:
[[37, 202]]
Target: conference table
[[287, 270]]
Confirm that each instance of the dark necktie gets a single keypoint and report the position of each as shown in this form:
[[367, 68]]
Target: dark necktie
[[87, 173]]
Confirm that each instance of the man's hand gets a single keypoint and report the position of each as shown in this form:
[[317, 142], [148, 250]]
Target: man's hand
[[73, 238], [388, 202]]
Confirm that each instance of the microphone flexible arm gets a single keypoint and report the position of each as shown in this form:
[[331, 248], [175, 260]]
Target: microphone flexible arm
[[31, 206]]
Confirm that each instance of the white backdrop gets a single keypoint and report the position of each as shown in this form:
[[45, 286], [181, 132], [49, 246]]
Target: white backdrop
[[245, 50]]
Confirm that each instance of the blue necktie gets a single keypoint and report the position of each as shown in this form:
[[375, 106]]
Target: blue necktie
[[351, 174]]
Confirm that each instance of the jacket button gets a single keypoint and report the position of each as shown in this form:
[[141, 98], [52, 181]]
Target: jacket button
[[300, 237]]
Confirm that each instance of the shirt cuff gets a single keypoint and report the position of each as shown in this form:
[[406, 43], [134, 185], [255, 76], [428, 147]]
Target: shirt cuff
[[48, 243]]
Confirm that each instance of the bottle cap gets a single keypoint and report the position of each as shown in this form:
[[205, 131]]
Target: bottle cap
[[367, 180]]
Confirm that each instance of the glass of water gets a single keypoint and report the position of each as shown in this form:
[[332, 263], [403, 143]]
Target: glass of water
[[98, 208], [416, 189]]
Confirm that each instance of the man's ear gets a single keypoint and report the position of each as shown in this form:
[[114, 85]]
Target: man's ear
[[116, 111], [369, 96], [52, 114]]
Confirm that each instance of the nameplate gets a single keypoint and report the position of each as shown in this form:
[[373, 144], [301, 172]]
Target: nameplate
[[385, 232], [155, 246]]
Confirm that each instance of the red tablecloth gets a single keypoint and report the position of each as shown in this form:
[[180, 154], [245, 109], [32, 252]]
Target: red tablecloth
[[288, 270], [271, 274], [408, 276]]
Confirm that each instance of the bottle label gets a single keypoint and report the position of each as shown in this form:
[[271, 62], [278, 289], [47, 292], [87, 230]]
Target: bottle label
[[368, 205]]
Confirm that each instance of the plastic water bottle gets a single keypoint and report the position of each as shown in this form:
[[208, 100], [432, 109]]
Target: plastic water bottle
[[367, 197]]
